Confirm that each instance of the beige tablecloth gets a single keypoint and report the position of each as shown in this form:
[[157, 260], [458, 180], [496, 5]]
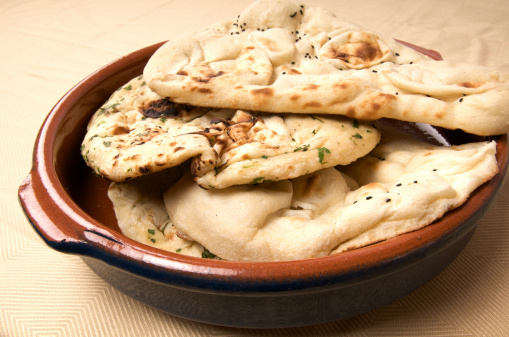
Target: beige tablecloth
[[46, 46]]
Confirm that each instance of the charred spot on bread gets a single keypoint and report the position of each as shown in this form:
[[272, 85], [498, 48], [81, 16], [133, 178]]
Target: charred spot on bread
[[471, 85], [164, 107], [263, 91]]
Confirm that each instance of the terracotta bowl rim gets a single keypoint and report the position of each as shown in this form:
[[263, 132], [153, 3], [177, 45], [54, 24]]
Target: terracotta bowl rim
[[67, 228]]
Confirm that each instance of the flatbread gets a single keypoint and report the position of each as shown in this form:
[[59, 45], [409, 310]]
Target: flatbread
[[280, 56], [286, 146], [141, 214], [137, 132], [122, 143], [401, 187]]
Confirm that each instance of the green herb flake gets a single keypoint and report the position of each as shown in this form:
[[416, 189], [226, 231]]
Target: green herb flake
[[128, 87], [321, 154], [85, 156], [315, 118], [302, 148], [358, 136], [151, 231], [163, 119], [355, 124], [114, 105], [251, 165], [179, 250], [206, 254], [164, 227], [265, 157], [106, 108], [107, 144], [257, 180]]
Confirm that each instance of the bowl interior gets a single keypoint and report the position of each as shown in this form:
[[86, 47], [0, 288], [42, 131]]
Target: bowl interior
[[86, 189]]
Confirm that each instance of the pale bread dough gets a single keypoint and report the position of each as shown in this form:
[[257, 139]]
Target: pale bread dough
[[281, 56]]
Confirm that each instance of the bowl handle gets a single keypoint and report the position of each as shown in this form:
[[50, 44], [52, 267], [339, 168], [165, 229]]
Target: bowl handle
[[46, 212]]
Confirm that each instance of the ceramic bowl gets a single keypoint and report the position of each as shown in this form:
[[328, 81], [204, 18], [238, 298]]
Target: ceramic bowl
[[68, 207]]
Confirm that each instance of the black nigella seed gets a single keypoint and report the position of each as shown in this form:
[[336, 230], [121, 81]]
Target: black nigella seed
[[398, 185], [301, 12], [434, 170], [397, 54], [411, 63], [368, 198], [355, 202], [415, 181], [396, 93], [387, 200], [374, 71], [461, 99]]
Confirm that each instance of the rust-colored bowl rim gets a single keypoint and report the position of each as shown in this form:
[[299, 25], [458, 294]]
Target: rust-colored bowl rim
[[67, 228]]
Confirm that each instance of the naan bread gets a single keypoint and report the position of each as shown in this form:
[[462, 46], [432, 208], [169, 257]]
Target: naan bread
[[141, 214], [137, 132], [286, 146], [122, 143], [401, 187], [279, 56]]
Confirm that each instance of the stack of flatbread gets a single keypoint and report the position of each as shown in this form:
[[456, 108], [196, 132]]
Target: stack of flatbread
[[256, 139]]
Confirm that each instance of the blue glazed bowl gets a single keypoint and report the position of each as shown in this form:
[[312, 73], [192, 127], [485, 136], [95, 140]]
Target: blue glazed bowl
[[68, 207]]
